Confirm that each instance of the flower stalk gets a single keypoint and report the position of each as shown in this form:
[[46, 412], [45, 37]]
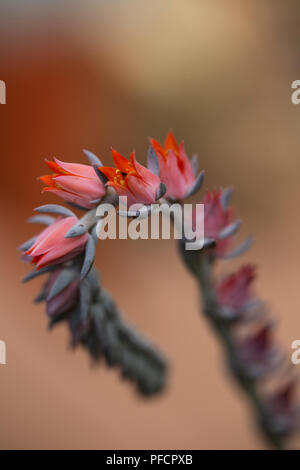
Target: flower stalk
[[65, 252], [202, 270]]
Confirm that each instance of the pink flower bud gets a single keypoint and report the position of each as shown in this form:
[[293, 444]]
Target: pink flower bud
[[51, 246], [282, 411], [234, 290], [74, 182], [257, 352], [175, 169], [216, 218]]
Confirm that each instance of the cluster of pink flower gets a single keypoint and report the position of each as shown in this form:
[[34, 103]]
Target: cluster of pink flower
[[72, 289]]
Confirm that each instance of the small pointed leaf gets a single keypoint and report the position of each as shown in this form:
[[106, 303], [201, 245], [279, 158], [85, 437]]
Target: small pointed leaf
[[61, 282], [197, 185], [195, 164], [225, 197], [33, 274], [94, 281], [93, 159], [240, 249], [85, 299], [55, 209], [41, 296], [152, 161], [229, 230], [28, 244], [162, 189], [77, 230], [41, 219], [89, 258]]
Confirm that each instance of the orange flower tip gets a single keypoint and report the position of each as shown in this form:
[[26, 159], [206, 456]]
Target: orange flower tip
[[114, 152], [151, 140], [170, 142], [53, 166], [170, 135], [48, 162], [47, 179]]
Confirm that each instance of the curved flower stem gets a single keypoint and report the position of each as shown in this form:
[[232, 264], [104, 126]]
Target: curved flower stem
[[202, 270], [108, 336]]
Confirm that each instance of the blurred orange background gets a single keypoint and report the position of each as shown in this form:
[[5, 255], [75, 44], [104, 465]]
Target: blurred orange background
[[95, 74]]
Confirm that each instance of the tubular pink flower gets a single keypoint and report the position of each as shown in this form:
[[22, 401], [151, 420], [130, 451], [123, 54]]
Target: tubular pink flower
[[74, 182], [283, 410], [51, 246], [258, 352], [235, 289], [216, 217], [175, 169], [132, 179]]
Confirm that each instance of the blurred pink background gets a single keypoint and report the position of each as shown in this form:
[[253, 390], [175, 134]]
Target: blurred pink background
[[95, 74]]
